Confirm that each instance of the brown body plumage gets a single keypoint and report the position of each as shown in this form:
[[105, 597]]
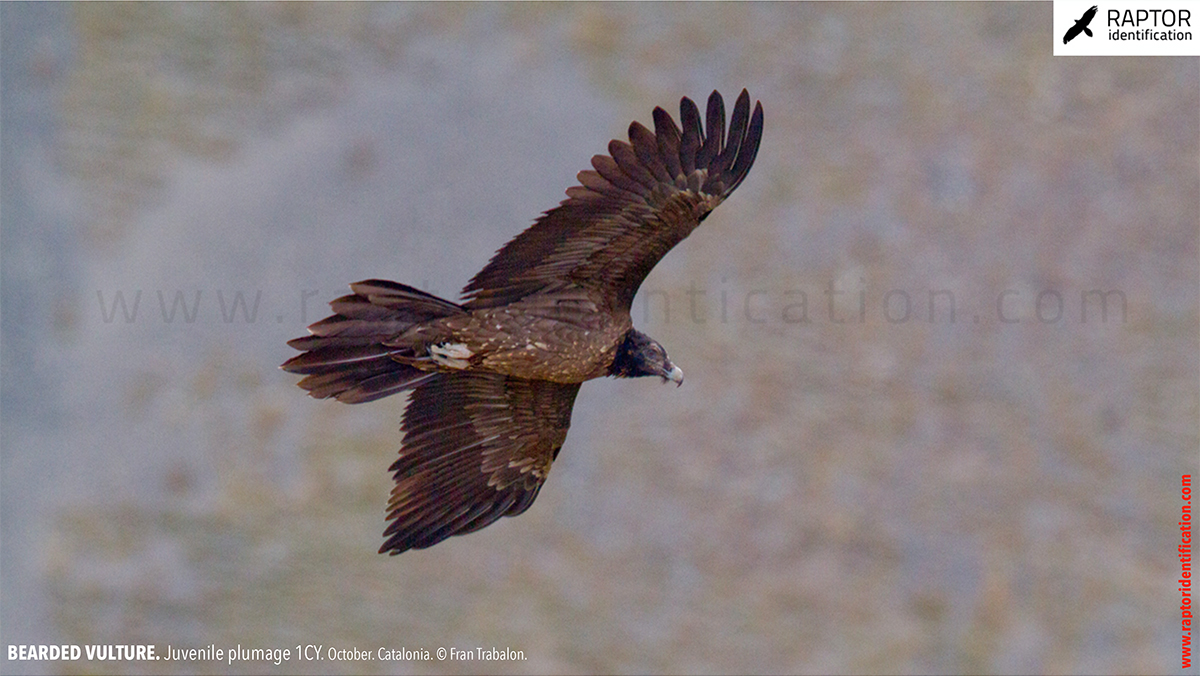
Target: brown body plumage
[[494, 378]]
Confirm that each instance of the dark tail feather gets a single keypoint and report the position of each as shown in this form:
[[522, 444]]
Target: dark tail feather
[[345, 356]]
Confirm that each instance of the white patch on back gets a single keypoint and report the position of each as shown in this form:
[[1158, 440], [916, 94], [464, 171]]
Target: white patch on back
[[452, 355]]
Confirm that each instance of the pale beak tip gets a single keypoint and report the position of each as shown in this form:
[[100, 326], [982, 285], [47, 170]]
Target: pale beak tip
[[675, 375]]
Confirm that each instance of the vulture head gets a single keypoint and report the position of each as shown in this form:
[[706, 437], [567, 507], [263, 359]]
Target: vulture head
[[640, 355]]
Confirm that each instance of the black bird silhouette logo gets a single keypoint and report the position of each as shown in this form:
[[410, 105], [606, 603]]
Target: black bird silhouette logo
[[1081, 26]]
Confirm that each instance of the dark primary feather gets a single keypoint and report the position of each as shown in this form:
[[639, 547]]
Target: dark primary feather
[[477, 446], [635, 205]]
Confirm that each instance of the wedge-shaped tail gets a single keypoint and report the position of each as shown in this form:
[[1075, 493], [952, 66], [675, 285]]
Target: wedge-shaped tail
[[345, 357]]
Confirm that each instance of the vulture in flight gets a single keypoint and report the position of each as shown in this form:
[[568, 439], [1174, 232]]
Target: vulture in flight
[[1081, 26], [494, 376]]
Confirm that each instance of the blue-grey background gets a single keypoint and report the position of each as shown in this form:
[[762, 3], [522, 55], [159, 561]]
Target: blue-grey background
[[844, 483]]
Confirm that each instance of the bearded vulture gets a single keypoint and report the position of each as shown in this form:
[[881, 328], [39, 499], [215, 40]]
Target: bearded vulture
[[494, 376]]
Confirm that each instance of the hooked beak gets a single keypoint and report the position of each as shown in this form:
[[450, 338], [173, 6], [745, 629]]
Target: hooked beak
[[675, 375]]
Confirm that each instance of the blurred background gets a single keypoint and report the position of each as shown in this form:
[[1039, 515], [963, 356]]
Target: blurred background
[[848, 482]]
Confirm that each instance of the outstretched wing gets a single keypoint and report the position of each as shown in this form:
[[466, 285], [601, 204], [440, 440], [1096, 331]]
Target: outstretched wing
[[637, 203], [477, 446]]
